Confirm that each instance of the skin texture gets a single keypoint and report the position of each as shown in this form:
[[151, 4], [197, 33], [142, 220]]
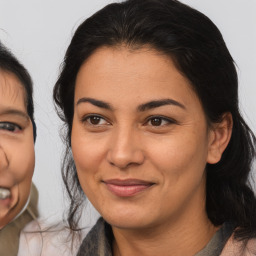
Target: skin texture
[[119, 133], [16, 147]]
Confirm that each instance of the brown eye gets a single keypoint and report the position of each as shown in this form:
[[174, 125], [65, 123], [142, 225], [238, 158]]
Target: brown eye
[[94, 120], [156, 121], [159, 121]]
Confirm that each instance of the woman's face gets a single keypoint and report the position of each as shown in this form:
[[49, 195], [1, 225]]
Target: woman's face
[[139, 139], [16, 148]]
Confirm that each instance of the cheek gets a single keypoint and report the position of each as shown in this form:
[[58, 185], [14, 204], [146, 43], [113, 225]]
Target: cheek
[[24, 173], [85, 155], [22, 161], [86, 165], [180, 156], [88, 150], [25, 181]]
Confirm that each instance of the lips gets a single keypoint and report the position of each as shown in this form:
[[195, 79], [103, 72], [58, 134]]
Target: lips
[[9, 196], [5, 197], [127, 188]]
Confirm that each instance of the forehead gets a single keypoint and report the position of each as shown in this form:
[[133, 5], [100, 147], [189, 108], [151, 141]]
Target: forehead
[[11, 90], [137, 73]]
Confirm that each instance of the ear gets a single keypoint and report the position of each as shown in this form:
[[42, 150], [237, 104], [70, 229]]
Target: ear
[[219, 137]]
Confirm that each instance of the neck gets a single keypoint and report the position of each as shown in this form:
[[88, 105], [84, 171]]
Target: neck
[[185, 237]]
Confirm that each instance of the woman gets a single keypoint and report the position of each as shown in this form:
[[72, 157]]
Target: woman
[[18, 204], [148, 93]]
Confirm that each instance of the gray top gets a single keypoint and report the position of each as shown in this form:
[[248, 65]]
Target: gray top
[[217, 243], [99, 240]]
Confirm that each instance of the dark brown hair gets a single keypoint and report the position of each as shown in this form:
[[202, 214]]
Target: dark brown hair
[[196, 46]]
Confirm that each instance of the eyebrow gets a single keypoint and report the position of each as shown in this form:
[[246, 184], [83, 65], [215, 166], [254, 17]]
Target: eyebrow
[[143, 107], [14, 112], [159, 103], [97, 103]]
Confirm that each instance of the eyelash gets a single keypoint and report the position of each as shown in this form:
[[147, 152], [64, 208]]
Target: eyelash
[[168, 121], [10, 127], [162, 119], [87, 120]]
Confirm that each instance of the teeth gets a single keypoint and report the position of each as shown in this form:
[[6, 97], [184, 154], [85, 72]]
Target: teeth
[[4, 193]]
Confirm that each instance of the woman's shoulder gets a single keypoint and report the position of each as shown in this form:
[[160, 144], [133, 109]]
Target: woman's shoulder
[[40, 238], [238, 248]]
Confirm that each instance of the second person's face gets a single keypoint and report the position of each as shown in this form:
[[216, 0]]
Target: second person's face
[[16, 148], [139, 138]]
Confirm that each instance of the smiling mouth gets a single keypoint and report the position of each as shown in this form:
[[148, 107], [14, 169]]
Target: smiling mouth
[[4, 193], [127, 188]]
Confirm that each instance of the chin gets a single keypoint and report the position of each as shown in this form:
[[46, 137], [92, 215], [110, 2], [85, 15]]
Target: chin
[[127, 221]]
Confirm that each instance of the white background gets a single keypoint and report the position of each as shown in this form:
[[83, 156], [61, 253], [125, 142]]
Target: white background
[[38, 33]]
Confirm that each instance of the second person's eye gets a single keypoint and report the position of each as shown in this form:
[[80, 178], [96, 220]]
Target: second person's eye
[[11, 127]]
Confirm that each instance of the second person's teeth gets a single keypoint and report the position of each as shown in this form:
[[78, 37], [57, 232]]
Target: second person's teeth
[[4, 193]]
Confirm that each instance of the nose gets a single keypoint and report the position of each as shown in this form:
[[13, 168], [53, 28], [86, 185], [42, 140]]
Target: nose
[[3, 159], [125, 149]]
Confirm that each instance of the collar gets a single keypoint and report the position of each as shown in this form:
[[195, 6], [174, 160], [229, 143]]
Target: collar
[[99, 241]]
